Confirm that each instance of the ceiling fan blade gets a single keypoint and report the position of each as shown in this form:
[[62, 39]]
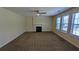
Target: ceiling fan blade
[[36, 11], [42, 13]]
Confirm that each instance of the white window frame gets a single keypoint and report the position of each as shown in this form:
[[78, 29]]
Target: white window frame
[[58, 29], [72, 25], [64, 24]]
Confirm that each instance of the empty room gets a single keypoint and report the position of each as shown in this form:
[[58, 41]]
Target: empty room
[[39, 29]]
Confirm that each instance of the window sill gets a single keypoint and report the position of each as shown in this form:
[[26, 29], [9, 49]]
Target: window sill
[[70, 34], [74, 36], [69, 37]]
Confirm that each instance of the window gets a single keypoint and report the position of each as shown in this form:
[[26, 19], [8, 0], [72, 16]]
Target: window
[[75, 24], [58, 23], [65, 20]]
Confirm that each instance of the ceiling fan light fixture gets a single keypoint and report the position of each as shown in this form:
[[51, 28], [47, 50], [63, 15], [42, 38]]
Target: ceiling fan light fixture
[[38, 14]]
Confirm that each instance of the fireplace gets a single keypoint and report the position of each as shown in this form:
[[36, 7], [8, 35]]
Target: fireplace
[[38, 29]]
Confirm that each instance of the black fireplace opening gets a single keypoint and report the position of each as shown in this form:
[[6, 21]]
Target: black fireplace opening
[[38, 29]]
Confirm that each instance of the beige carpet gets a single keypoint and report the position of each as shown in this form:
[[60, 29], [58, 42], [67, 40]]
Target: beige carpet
[[39, 41]]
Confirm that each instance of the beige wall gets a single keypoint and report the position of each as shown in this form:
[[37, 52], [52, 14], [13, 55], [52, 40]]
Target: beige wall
[[68, 37], [29, 24], [11, 26], [32, 22]]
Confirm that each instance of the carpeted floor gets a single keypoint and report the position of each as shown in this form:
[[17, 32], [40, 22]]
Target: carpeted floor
[[39, 41]]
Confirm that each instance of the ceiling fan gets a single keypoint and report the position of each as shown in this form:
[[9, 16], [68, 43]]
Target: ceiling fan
[[38, 12]]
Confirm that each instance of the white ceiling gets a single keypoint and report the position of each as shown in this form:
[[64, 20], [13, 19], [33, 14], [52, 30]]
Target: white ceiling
[[26, 11]]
